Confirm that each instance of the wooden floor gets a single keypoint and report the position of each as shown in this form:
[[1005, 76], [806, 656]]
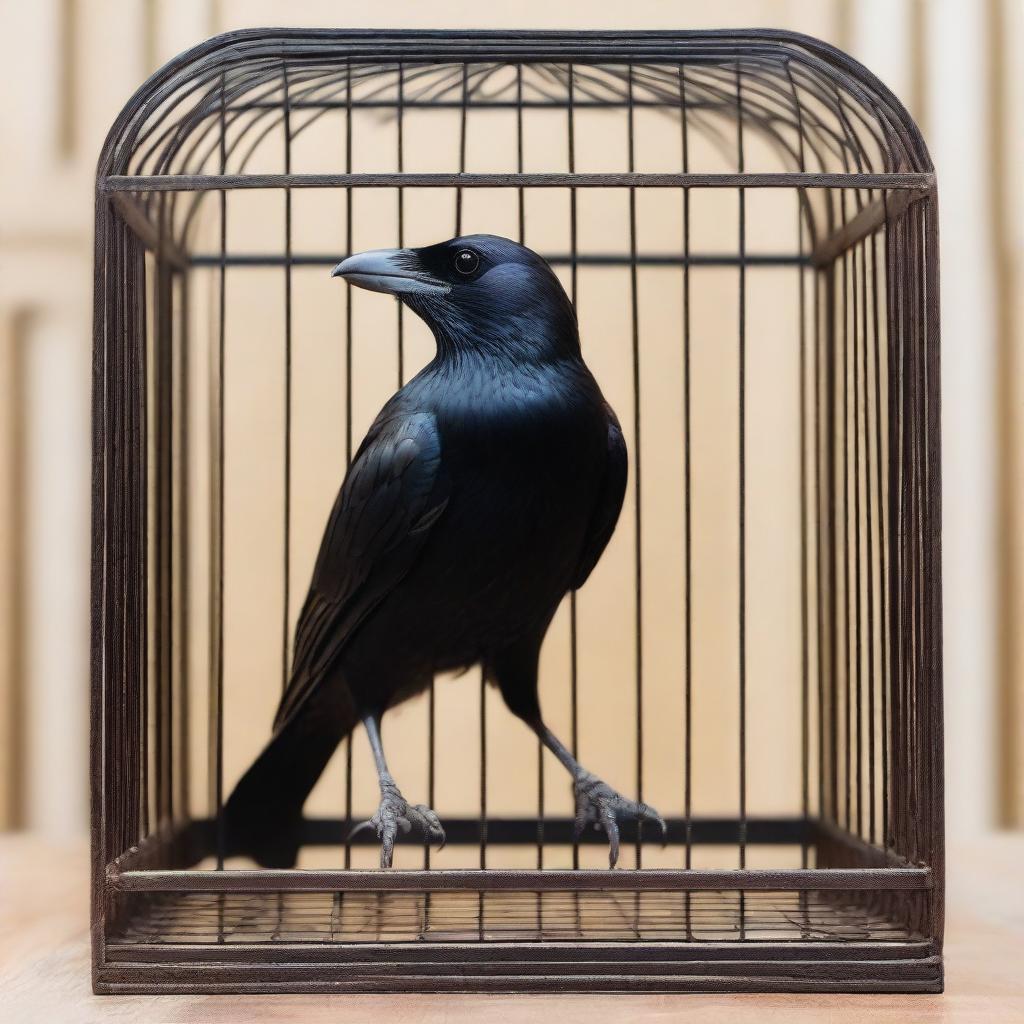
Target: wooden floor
[[44, 965]]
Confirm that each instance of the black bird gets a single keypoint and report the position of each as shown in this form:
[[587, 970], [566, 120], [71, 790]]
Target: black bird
[[486, 489]]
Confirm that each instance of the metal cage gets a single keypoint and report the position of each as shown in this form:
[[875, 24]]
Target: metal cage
[[747, 224]]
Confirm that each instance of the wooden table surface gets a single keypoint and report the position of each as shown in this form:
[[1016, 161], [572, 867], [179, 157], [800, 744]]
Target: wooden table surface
[[44, 964]]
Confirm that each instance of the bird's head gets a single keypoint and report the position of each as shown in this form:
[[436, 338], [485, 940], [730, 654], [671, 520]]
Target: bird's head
[[477, 293]]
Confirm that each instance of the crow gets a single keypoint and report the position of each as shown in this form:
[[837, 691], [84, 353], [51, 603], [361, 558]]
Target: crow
[[486, 489]]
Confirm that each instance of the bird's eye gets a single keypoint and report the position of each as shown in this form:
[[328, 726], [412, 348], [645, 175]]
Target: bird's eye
[[466, 262]]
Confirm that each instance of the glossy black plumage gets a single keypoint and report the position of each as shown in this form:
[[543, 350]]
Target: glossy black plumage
[[486, 489]]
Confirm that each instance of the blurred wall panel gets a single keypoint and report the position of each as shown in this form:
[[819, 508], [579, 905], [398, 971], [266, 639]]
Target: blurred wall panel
[[1006, 33], [960, 139], [70, 66], [11, 531], [881, 34], [54, 592]]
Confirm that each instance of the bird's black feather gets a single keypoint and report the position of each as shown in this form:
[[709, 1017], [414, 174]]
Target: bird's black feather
[[392, 494], [609, 504], [487, 488]]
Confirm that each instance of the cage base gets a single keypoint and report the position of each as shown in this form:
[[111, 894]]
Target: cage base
[[912, 967], [854, 923], [518, 941]]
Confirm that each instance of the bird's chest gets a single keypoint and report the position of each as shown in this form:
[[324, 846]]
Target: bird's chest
[[527, 449], [524, 467]]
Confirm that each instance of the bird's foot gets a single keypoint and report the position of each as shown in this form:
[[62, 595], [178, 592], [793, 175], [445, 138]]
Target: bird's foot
[[395, 814], [599, 805]]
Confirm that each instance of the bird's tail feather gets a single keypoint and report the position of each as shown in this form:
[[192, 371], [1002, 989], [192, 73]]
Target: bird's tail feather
[[263, 815]]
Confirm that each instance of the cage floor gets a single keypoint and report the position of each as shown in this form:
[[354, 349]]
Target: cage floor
[[355, 917]]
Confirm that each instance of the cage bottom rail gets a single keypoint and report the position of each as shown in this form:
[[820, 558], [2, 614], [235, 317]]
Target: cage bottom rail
[[516, 941]]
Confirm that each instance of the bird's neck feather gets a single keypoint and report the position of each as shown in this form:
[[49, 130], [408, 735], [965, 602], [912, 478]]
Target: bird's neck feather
[[516, 339]]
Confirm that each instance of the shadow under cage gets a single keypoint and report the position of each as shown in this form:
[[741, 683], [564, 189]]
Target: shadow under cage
[[746, 222]]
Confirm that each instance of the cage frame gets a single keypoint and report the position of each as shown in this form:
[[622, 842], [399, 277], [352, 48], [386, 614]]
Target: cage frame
[[121, 866]]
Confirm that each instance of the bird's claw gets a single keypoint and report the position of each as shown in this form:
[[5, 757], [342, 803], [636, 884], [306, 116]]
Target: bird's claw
[[599, 805], [395, 815]]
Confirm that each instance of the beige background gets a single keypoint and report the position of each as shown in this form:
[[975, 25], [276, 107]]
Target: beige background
[[71, 66]]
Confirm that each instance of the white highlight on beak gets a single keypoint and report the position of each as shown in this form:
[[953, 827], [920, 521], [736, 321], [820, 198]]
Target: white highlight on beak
[[389, 271]]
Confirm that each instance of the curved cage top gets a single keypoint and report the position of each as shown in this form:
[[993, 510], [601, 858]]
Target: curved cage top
[[818, 110]]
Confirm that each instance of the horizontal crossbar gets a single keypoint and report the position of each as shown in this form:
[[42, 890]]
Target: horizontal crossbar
[[475, 880], [211, 259], [213, 182]]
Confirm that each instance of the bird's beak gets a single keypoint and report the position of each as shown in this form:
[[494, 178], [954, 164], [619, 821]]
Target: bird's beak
[[395, 271]]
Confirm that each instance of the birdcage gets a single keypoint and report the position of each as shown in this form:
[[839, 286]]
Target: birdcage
[[746, 222]]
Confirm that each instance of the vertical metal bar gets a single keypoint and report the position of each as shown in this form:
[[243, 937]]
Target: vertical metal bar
[[913, 530], [932, 525], [156, 392], [165, 459], [907, 527], [137, 413], [152, 546], [286, 567], [742, 610], [846, 525], [129, 382], [519, 151], [829, 690], [804, 584], [895, 453], [870, 325], [348, 407], [687, 506], [463, 112], [638, 535], [483, 771], [431, 762], [147, 679], [907, 512], [883, 587], [742, 355], [184, 585], [134, 318], [925, 692], [483, 798], [521, 198], [287, 481], [922, 687], [574, 288], [831, 470], [463, 116], [857, 660], [914, 527], [400, 199], [218, 604], [135, 299], [400, 129], [684, 128], [897, 462], [100, 571], [804, 597], [819, 535]]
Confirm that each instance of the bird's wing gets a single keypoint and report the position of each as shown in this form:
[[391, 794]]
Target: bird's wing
[[609, 503], [392, 496]]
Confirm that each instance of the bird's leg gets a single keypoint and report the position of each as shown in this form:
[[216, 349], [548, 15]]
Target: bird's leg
[[597, 803], [394, 812]]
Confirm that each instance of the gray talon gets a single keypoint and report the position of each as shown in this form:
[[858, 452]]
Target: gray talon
[[395, 814], [599, 805]]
